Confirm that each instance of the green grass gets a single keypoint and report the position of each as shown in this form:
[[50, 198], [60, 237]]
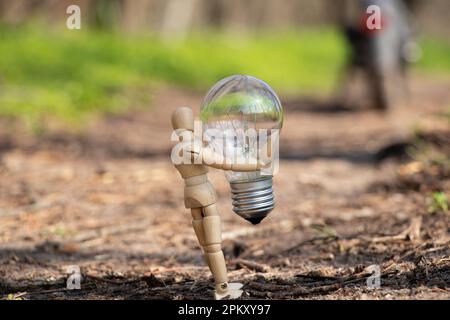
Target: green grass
[[72, 74], [438, 202], [436, 56]]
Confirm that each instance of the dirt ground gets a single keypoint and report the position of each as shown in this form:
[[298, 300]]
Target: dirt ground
[[109, 201]]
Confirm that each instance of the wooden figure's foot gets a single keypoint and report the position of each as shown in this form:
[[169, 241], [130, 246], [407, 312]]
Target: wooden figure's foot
[[232, 291]]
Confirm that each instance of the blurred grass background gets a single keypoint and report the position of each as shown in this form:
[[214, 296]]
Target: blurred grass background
[[69, 75]]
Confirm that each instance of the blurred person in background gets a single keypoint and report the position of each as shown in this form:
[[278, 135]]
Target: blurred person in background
[[381, 55]]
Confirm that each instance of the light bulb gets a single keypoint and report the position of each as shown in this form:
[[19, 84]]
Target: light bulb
[[234, 107]]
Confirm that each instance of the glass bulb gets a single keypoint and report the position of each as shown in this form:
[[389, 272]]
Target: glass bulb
[[241, 117]]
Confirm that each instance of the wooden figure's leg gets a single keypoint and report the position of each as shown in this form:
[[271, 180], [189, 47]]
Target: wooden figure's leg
[[213, 244], [197, 224], [215, 257]]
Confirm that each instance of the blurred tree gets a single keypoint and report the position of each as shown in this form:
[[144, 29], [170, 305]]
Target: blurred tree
[[178, 17], [137, 15], [105, 13]]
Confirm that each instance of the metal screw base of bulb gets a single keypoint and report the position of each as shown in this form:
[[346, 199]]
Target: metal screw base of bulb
[[253, 200]]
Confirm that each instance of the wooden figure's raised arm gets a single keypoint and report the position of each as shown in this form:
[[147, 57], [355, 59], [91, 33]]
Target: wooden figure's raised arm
[[183, 122]]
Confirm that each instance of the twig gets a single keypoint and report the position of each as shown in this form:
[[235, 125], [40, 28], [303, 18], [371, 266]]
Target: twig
[[251, 265], [410, 233]]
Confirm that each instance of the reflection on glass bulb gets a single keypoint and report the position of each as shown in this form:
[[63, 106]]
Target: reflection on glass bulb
[[241, 118]]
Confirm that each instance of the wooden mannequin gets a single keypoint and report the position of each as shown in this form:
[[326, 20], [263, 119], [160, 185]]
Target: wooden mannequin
[[200, 197]]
